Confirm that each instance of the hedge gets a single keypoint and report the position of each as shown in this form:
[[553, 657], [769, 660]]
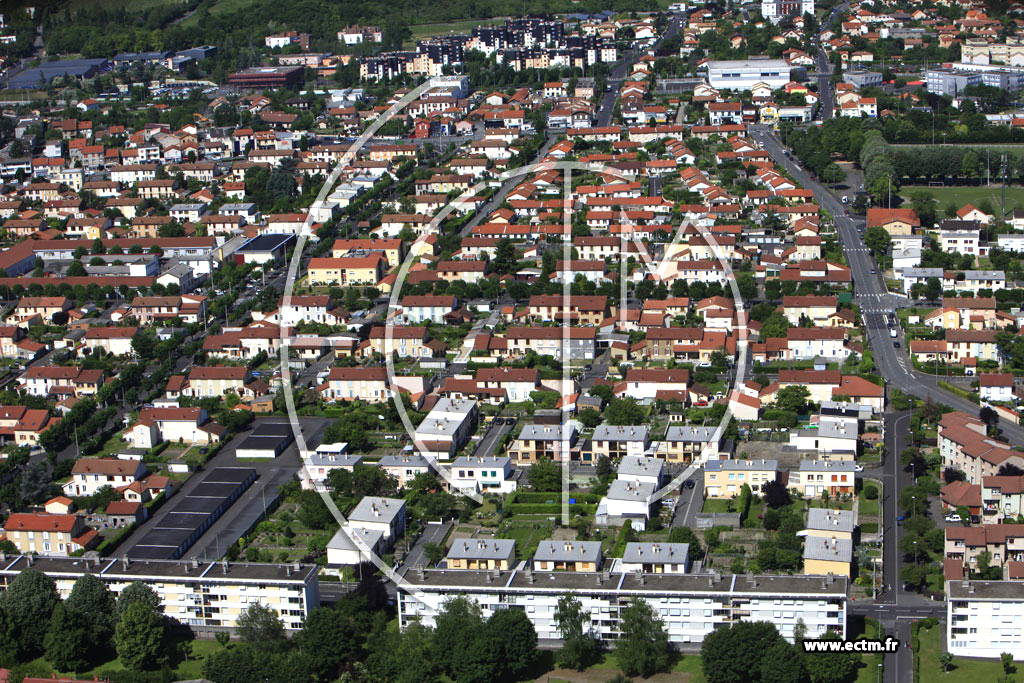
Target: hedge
[[540, 497], [111, 543], [553, 509]]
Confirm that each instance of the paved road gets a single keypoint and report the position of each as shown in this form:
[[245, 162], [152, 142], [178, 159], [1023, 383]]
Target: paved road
[[434, 532], [498, 197], [491, 438], [876, 302], [825, 101], [621, 70]]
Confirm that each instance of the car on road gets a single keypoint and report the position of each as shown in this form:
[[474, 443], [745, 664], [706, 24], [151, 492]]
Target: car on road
[[899, 520], [588, 368], [858, 468], [874, 272], [895, 345], [954, 518], [688, 484]]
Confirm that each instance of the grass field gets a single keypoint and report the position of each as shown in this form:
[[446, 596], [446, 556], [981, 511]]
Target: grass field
[[717, 505], [180, 669], [961, 670], [420, 31], [960, 195]]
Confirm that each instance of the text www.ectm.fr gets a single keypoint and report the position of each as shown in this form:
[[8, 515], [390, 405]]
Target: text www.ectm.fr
[[887, 645]]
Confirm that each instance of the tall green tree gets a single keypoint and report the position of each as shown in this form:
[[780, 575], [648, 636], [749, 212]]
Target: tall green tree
[[877, 239], [545, 475], [30, 601], [504, 261], [643, 648], [782, 663], [830, 667], [260, 624], [578, 647], [139, 637], [93, 603], [736, 653], [68, 641], [137, 592]]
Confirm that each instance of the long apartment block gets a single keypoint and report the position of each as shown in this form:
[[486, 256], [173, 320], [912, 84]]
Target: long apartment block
[[690, 605], [200, 594]]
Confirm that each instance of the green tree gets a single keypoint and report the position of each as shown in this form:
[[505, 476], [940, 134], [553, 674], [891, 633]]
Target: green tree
[[643, 648], [877, 239], [139, 637], [67, 642], [775, 326], [545, 475], [624, 411], [945, 659], [578, 647], [793, 398], [93, 603], [29, 601], [512, 640], [830, 667], [782, 663], [333, 637], [735, 653], [260, 624], [137, 592], [684, 534], [589, 417], [504, 261]]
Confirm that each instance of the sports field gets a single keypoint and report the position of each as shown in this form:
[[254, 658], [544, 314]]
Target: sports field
[[972, 194]]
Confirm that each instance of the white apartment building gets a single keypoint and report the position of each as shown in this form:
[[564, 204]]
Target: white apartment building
[[985, 618], [208, 596], [691, 606]]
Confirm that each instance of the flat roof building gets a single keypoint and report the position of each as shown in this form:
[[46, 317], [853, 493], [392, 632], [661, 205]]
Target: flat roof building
[[261, 77], [691, 606], [207, 596], [744, 74]]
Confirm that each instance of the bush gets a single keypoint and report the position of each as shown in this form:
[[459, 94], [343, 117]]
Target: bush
[[870, 491]]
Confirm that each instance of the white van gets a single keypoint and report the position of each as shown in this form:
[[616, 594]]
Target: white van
[[893, 333]]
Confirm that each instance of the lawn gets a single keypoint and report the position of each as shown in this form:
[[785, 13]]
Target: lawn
[[717, 505], [527, 537], [180, 669], [961, 195], [868, 507], [961, 670], [688, 664], [421, 31]]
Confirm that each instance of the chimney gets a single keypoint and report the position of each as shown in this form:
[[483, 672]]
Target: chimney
[[126, 563], [224, 566], [419, 571]]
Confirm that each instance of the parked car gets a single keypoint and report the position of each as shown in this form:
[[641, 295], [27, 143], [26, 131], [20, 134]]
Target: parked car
[[688, 484], [953, 518]]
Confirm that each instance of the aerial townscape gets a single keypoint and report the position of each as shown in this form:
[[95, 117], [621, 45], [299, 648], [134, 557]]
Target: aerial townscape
[[503, 342]]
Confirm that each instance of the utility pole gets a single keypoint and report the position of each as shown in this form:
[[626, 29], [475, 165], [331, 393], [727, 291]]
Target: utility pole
[[1003, 202], [988, 169]]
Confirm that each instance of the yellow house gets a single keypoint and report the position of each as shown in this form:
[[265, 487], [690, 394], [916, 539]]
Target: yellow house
[[346, 271], [895, 221], [828, 556], [472, 553], [45, 534], [725, 478]]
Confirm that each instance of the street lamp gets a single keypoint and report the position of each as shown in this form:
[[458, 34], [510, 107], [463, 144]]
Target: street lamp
[[915, 552], [879, 673], [914, 499]]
